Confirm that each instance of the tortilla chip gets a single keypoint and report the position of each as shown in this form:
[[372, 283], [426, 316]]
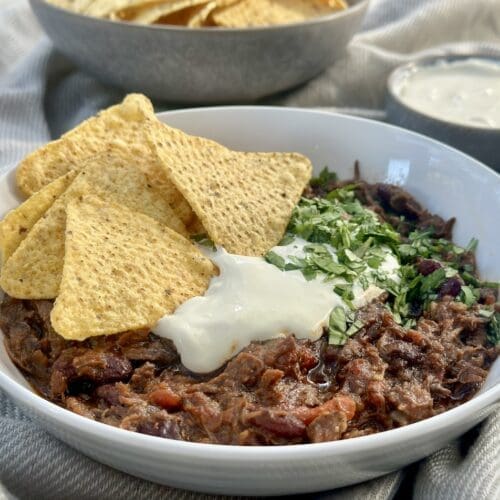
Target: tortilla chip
[[120, 128], [204, 16], [193, 17], [35, 268], [122, 271], [105, 8], [248, 13], [199, 18], [78, 6], [198, 13], [243, 200], [17, 223], [182, 17], [151, 13], [115, 176]]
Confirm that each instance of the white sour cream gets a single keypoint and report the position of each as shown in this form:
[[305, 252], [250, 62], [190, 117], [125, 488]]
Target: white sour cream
[[250, 300], [465, 92]]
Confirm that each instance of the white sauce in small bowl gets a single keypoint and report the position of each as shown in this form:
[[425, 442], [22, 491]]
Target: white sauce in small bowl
[[465, 92]]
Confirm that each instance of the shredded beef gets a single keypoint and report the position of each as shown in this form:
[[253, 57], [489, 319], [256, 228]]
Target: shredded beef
[[394, 205], [282, 391], [279, 392]]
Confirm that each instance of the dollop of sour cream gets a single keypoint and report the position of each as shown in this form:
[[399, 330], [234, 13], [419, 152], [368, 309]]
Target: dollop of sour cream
[[252, 300], [465, 92]]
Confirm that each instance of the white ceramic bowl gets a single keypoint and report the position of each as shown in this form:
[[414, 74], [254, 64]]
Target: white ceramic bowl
[[482, 143], [444, 180]]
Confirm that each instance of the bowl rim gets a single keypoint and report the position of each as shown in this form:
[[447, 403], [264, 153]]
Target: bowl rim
[[244, 454], [429, 60], [66, 418], [358, 8]]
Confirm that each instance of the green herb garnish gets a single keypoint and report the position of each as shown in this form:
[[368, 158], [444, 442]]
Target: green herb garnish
[[325, 179], [467, 296], [337, 326], [275, 259], [342, 325], [348, 243], [204, 240], [493, 329]]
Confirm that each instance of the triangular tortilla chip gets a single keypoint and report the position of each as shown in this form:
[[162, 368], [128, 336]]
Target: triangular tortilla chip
[[204, 16], [73, 5], [243, 200], [193, 17], [149, 13], [106, 8], [35, 268], [248, 13], [122, 271], [199, 17], [120, 128], [17, 223], [116, 176]]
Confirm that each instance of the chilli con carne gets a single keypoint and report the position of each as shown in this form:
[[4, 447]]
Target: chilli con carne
[[416, 352]]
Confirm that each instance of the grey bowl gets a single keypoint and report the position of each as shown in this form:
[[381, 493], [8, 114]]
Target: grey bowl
[[205, 65], [482, 143]]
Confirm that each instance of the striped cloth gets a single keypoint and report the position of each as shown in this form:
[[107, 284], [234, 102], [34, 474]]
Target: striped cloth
[[42, 95]]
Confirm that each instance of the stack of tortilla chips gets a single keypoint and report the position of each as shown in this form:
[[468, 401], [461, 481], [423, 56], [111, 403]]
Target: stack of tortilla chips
[[200, 13], [112, 206]]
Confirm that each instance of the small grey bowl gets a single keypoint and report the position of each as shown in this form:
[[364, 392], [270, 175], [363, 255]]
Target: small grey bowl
[[202, 65], [482, 143]]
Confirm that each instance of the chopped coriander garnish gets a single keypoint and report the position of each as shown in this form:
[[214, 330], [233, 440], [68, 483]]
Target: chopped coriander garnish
[[472, 246], [286, 240], [467, 296], [493, 329], [494, 285], [203, 240], [337, 326], [342, 325], [486, 313], [325, 179], [430, 283], [275, 259], [349, 244], [355, 327]]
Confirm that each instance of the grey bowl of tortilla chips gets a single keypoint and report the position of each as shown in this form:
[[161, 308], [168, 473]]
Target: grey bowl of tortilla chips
[[243, 60]]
